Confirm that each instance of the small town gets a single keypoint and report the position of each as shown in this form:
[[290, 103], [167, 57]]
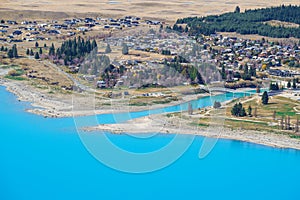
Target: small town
[[149, 100]]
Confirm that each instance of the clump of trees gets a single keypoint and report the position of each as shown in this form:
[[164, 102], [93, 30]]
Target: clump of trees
[[189, 72], [73, 51], [249, 22], [3, 49], [13, 52], [248, 73], [238, 110], [274, 86]]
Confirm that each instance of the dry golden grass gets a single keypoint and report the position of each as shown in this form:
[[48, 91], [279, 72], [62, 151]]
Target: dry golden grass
[[284, 24], [170, 10], [46, 76]]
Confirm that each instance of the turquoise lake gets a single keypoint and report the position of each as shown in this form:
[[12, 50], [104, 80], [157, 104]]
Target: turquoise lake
[[44, 158]]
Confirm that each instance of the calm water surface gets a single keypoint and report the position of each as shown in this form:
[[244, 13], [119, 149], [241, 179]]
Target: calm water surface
[[43, 158]]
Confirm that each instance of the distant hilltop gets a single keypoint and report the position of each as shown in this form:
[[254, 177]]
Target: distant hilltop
[[276, 22]]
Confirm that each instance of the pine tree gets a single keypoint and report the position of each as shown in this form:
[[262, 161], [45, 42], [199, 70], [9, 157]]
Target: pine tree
[[288, 84], [10, 53], [249, 110], [237, 9], [41, 51], [223, 72], [265, 98], [45, 45], [15, 51], [31, 52], [36, 56], [52, 50], [125, 50], [27, 52], [2, 48], [243, 112], [294, 83], [108, 49], [36, 44]]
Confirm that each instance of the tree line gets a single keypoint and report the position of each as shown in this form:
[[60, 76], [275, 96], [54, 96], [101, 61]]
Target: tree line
[[249, 22]]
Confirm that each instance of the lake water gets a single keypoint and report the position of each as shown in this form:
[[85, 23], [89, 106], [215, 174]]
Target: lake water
[[44, 158]]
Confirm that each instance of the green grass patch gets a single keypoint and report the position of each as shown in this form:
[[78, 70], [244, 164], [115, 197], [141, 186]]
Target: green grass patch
[[17, 78], [295, 136], [285, 113], [138, 104], [9, 66], [199, 124], [246, 121]]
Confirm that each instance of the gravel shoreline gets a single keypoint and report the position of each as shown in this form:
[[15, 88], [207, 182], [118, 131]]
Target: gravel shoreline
[[170, 126], [48, 106]]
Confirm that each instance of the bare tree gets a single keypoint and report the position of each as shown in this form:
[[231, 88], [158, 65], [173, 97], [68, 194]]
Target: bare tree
[[281, 123], [190, 109], [288, 122], [274, 115], [297, 125]]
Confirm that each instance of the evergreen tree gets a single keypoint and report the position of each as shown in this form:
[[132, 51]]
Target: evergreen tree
[[294, 84], [249, 110], [45, 45], [31, 52], [36, 56], [238, 110], [243, 112], [36, 44], [108, 49], [15, 51], [125, 50], [40, 51], [252, 71], [265, 98], [237, 9], [2, 48], [223, 72], [274, 86], [289, 84], [27, 52], [10, 53], [52, 50]]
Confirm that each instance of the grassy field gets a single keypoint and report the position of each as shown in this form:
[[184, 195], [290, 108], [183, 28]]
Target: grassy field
[[170, 10], [264, 120]]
